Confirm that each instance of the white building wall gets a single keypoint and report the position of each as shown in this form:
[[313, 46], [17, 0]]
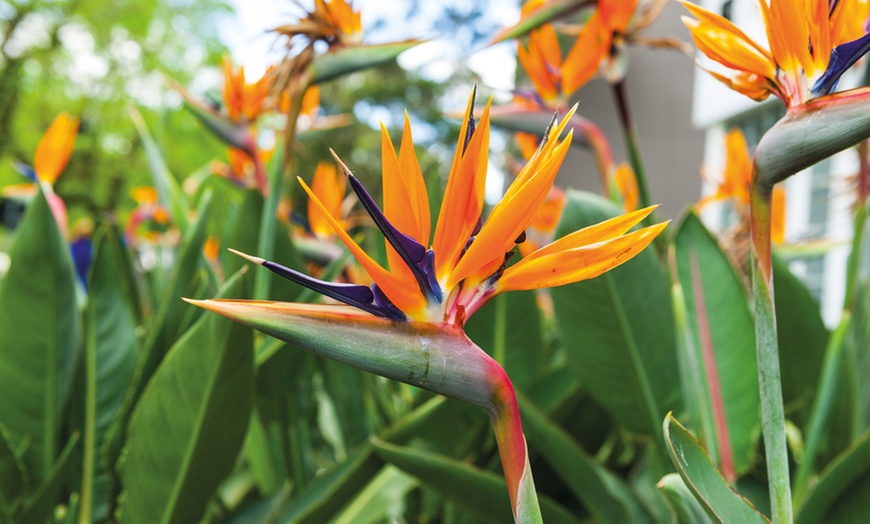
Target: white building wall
[[715, 107]]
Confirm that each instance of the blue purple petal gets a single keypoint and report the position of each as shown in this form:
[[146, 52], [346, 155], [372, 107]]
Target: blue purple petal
[[842, 58]]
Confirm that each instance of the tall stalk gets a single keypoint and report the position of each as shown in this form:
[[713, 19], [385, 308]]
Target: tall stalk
[[767, 353], [629, 133]]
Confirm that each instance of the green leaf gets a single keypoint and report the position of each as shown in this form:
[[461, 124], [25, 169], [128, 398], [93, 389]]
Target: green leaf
[[12, 478], [682, 501], [325, 497], [718, 499], [39, 506], [167, 186], [350, 59], [604, 494], [717, 307], [857, 343], [802, 338], [242, 238], [110, 356], [169, 322], [39, 337], [483, 493], [190, 423], [618, 329], [509, 328], [380, 499], [842, 491], [329, 493]]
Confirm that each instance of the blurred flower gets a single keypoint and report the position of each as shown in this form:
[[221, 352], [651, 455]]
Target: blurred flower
[[244, 102], [330, 187], [51, 157], [241, 170], [810, 44], [626, 185], [333, 21], [148, 211], [467, 263], [734, 186], [598, 48], [81, 248]]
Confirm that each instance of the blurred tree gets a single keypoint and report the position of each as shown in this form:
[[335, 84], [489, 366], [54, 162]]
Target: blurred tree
[[91, 58]]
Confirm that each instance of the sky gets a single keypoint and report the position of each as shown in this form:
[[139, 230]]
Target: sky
[[246, 36]]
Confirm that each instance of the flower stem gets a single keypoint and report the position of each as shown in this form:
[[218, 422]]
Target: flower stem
[[767, 353], [505, 416], [269, 219], [629, 134]]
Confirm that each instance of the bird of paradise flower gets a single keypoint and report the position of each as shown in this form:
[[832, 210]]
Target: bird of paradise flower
[[411, 319]]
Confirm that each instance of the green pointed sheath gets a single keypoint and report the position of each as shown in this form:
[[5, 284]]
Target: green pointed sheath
[[811, 132], [438, 357]]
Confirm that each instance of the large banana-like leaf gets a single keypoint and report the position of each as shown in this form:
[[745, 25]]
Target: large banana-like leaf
[[618, 329], [39, 338], [110, 354], [190, 423], [717, 313]]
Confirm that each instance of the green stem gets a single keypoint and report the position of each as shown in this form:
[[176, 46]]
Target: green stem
[[767, 353], [89, 444], [269, 219], [629, 134], [500, 330]]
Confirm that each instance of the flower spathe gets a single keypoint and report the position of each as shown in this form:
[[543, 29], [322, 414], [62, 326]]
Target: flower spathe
[[466, 262], [810, 44]]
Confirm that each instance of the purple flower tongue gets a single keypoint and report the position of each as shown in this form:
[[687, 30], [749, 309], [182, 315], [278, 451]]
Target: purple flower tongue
[[842, 58], [351, 294], [412, 252]]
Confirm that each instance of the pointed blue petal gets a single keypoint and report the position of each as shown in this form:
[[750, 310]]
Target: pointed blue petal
[[412, 252], [842, 58], [351, 294], [25, 169], [386, 306]]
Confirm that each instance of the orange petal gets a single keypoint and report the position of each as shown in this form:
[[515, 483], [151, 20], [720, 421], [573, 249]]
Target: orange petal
[[574, 265], [330, 186], [462, 204], [725, 43], [405, 294], [593, 234], [55, 148], [582, 61], [508, 220], [626, 184], [777, 215], [418, 196]]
